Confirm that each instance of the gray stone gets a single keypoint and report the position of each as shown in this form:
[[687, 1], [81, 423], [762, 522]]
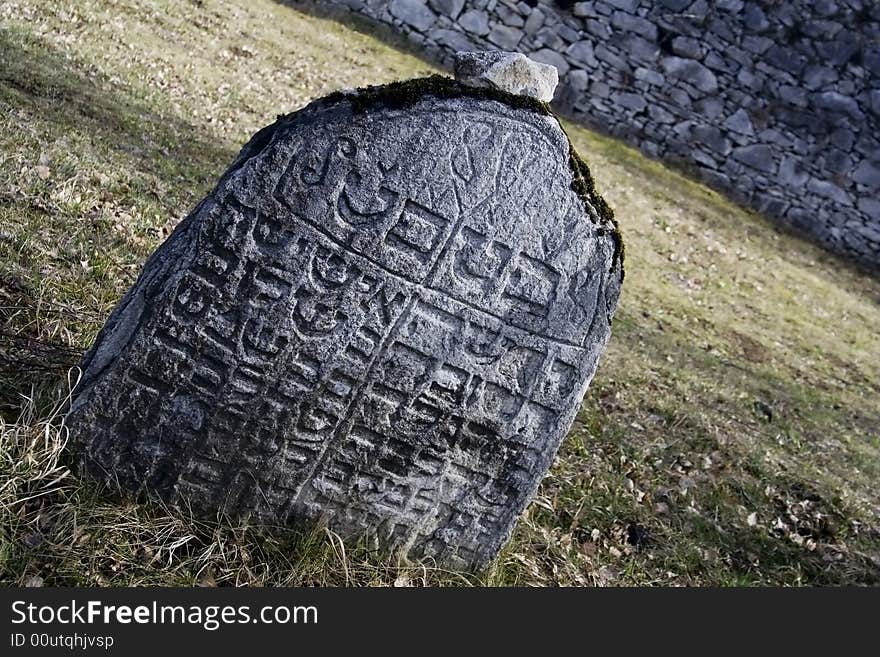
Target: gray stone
[[506, 38], [816, 77], [713, 138], [453, 40], [634, 102], [690, 71], [599, 29], [383, 318], [871, 60], [839, 104], [636, 24], [757, 45], [786, 59], [552, 58], [791, 174], [770, 205], [475, 22], [721, 64], [451, 8], [871, 207], [875, 101], [868, 174], [414, 13], [628, 6], [687, 47], [583, 9], [568, 34], [820, 29], [825, 7], [612, 57], [869, 231], [659, 114], [754, 18], [509, 16], [675, 5], [836, 161], [749, 80], [711, 108], [534, 22], [640, 49], [740, 122], [843, 138], [792, 95], [582, 51], [829, 190], [578, 79], [757, 156], [841, 50], [650, 76], [508, 71], [547, 37]]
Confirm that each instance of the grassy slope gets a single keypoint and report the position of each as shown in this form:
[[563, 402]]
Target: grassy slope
[[730, 436]]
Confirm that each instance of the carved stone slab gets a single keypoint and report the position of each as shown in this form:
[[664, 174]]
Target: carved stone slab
[[384, 317]]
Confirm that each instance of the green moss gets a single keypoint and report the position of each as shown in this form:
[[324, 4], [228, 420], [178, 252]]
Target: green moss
[[399, 95]]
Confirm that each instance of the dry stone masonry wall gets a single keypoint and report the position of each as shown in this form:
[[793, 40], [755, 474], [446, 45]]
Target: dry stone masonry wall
[[776, 103]]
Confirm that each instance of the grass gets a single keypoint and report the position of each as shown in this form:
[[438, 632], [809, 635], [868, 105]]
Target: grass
[[731, 435]]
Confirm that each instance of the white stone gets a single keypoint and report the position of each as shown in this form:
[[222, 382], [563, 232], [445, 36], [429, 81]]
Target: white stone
[[508, 71]]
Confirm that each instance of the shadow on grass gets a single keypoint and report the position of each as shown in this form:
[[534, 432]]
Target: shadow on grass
[[48, 96], [38, 79]]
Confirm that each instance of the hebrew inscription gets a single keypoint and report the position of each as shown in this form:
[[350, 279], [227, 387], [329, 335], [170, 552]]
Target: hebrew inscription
[[382, 319]]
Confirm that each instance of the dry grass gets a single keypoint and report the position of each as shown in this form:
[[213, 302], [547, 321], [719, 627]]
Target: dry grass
[[731, 434]]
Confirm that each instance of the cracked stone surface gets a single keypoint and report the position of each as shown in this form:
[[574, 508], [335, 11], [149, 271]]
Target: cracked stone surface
[[383, 317]]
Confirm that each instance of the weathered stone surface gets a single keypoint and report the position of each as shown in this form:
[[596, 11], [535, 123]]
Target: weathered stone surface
[[414, 13], [740, 122], [384, 316], [475, 21], [506, 38], [451, 8], [690, 71], [507, 71]]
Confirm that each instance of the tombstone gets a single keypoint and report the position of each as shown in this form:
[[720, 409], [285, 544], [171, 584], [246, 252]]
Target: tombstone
[[384, 317]]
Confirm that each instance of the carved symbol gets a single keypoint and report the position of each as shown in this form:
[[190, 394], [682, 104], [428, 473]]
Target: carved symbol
[[583, 291], [262, 339], [359, 218], [462, 156], [314, 318], [486, 344], [330, 271], [191, 300], [480, 259], [313, 174], [560, 381], [417, 231], [532, 286], [269, 286], [314, 425]]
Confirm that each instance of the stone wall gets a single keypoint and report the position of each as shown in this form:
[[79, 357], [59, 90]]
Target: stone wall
[[776, 103]]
